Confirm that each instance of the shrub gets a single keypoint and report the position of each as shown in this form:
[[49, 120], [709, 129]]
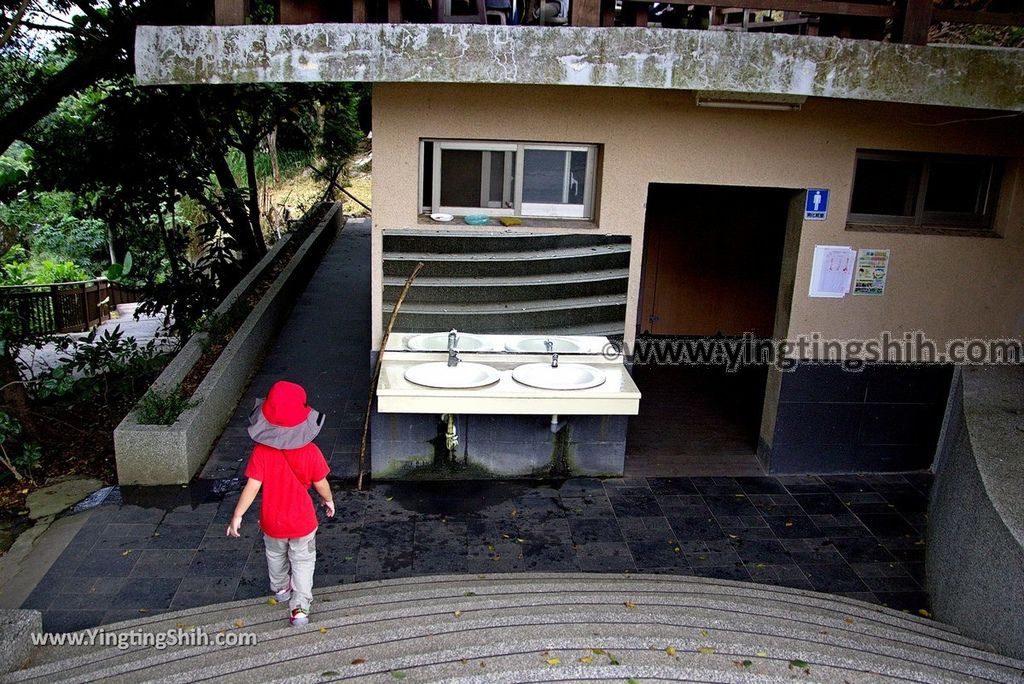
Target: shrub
[[156, 408], [109, 365]]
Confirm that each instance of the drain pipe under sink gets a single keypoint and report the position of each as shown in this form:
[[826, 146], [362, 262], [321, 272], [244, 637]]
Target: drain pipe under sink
[[557, 425], [451, 435]]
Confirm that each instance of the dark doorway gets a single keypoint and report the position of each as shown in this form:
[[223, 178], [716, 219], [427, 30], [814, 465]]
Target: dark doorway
[[712, 264]]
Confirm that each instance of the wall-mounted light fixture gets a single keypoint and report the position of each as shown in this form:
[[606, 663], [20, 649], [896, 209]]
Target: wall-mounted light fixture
[[761, 101]]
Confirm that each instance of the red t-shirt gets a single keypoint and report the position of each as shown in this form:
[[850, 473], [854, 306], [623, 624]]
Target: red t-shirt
[[287, 511]]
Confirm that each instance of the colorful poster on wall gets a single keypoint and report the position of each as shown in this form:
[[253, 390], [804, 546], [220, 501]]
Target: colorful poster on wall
[[872, 267], [831, 271]]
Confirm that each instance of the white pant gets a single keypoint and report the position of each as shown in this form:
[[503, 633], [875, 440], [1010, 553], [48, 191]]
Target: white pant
[[294, 559]]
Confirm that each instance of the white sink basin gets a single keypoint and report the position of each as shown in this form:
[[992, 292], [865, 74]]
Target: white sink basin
[[535, 345], [439, 342], [440, 375], [567, 376]]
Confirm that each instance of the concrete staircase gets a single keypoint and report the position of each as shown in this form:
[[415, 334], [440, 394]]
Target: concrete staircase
[[546, 627]]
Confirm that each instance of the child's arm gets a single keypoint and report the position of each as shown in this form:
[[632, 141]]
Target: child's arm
[[252, 487], [324, 490]]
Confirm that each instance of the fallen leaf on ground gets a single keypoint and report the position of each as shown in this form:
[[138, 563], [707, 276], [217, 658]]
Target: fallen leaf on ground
[[597, 651], [238, 624], [733, 536], [612, 660], [704, 633], [789, 523], [519, 540], [329, 673], [671, 650], [323, 630], [553, 661], [398, 674], [586, 659], [849, 621], [629, 604], [470, 593], [742, 663], [389, 498], [348, 558], [762, 654], [458, 613], [126, 552], [924, 613], [358, 661], [706, 650], [799, 664]]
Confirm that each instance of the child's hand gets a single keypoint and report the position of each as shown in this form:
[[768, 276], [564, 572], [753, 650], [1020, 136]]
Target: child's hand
[[329, 505], [236, 522]]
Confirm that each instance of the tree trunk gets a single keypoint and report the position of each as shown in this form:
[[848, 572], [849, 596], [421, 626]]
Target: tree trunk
[[110, 245], [275, 165], [15, 396], [254, 197]]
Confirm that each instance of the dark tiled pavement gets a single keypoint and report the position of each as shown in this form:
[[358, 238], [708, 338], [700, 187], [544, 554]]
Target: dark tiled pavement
[[150, 550], [860, 536]]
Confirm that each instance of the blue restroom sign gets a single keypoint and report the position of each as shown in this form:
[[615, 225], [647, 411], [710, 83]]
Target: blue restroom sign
[[816, 207]]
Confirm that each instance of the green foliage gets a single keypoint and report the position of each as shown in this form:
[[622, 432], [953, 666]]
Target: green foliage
[[217, 327], [197, 287], [104, 366], [162, 408], [14, 169], [118, 272], [41, 273]]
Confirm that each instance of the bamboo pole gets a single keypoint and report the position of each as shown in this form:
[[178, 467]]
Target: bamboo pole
[[376, 372]]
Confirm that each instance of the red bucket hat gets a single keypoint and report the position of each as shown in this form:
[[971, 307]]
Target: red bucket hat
[[283, 420]]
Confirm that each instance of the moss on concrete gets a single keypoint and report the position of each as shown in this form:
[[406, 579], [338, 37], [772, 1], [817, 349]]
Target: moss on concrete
[[974, 77]]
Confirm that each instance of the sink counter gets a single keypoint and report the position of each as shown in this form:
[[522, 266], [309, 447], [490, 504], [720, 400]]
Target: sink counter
[[618, 395]]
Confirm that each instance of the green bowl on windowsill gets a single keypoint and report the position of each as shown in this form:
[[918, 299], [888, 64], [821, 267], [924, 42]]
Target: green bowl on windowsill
[[476, 219]]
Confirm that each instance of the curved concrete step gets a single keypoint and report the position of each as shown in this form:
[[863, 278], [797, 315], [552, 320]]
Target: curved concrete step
[[572, 252], [513, 279], [546, 627]]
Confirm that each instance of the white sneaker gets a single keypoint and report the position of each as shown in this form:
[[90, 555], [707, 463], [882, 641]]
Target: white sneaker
[[283, 595], [298, 618]]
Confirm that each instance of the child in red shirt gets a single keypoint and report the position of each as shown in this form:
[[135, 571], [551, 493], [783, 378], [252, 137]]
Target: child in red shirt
[[285, 463]]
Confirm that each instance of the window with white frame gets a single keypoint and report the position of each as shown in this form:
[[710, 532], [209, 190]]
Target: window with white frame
[[895, 190], [542, 180]]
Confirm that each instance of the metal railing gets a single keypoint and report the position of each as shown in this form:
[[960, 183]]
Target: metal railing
[[63, 307]]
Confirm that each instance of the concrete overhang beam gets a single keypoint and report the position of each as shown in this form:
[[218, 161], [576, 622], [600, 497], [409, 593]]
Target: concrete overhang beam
[[725, 62]]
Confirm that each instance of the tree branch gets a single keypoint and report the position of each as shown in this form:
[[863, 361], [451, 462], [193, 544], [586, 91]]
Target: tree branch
[[15, 20], [89, 11]]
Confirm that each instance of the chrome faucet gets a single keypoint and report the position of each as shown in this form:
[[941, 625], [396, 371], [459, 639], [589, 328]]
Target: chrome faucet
[[549, 346], [453, 354], [554, 360]]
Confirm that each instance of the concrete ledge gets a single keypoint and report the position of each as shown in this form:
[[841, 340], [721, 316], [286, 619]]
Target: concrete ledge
[[975, 554], [16, 630], [726, 62], [171, 454]]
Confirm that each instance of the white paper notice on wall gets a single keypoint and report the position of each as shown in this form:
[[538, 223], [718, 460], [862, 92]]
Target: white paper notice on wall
[[832, 271]]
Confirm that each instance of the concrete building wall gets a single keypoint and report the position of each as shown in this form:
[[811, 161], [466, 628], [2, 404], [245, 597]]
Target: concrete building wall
[[946, 286]]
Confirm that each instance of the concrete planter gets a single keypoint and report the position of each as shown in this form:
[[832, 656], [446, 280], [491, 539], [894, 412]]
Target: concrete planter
[[171, 454]]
